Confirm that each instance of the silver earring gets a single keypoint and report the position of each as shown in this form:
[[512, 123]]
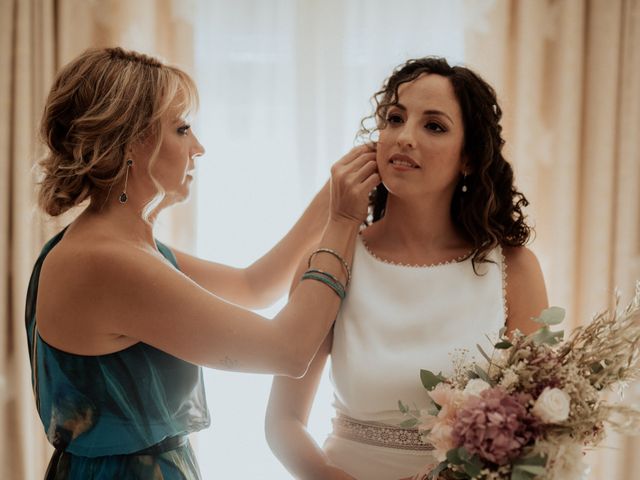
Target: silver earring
[[464, 183], [123, 196]]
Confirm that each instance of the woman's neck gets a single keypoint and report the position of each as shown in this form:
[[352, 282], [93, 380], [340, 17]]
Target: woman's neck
[[419, 228], [123, 221]]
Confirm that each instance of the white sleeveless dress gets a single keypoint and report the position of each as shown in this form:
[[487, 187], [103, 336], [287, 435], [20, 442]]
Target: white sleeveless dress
[[395, 320]]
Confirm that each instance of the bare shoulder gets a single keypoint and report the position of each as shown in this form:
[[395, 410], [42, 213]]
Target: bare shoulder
[[526, 293], [98, 263], [84, 283]]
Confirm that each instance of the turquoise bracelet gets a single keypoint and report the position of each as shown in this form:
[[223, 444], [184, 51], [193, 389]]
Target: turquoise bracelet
[[326, 274], [327, 280]]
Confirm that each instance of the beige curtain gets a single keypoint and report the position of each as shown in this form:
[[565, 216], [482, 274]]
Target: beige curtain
[[36, 38], [567, 73]]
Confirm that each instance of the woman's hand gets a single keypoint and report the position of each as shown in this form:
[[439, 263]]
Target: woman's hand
[[352, 179]]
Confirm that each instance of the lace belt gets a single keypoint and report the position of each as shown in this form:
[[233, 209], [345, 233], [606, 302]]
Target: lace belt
[[378, 434]]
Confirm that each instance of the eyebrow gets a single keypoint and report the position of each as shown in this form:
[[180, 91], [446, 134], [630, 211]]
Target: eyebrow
[[428, 112]]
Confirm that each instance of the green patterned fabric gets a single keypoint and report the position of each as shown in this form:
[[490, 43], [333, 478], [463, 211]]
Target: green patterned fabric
[[97, 411]]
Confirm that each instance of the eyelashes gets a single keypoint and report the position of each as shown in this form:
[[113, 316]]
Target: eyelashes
[[183, 130], [435, 127], [395, 119]]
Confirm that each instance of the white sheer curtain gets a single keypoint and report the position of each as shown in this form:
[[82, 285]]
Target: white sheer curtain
[[284, 84]]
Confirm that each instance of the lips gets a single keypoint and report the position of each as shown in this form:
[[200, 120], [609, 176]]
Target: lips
[[405, 161]]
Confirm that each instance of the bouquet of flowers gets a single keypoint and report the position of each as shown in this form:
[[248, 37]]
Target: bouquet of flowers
[[528, 409]]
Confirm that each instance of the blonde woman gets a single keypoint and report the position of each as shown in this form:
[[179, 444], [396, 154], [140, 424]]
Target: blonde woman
[[119, 324]]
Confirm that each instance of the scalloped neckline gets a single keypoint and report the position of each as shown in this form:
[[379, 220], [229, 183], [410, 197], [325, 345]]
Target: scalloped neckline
[[455, 260]]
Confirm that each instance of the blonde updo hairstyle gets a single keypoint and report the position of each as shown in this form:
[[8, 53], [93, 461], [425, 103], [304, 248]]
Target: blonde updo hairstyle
[[100, 104]]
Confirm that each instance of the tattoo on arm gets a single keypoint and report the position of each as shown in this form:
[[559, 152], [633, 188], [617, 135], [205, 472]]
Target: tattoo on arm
[[229, 363]]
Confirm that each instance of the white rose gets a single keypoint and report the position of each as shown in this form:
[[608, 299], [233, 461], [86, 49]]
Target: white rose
[[475, 387], [552, 406]]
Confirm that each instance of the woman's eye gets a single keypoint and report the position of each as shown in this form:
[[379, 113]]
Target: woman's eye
[[434, 127], [394, 118], [184, 129]]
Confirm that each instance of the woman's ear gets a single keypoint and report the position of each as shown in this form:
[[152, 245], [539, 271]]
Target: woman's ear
[[466, 168]]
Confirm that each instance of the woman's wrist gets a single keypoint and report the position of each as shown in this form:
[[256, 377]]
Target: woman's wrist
[[342, 221]]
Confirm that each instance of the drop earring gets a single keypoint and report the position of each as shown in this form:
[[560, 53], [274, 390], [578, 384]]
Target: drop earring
[[464, 183], [123, 196]]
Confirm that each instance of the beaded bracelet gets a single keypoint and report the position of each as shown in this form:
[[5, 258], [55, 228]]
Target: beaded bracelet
[[327, 274], [335, 254], [325, 278]]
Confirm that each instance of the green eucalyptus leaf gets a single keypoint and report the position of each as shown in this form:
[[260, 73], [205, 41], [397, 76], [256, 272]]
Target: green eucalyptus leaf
[[459, 475], [402, 407], [472, 469], [453, 456], [484, 354], [435, 473], [432, 408], [410, 423], [546, 336], [471, 374], [517, 474], [430, 380], [551, 316], [503, 345], [539, 460], [534, 469], [483, 375], [464, 454]]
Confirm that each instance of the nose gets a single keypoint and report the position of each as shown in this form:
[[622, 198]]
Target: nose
[[406, 138], [197, 149]]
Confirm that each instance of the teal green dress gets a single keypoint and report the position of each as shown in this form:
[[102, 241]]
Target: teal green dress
[[124, 415]]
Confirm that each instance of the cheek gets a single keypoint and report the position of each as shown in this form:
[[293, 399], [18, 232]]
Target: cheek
[[380, 155], [382, 146]]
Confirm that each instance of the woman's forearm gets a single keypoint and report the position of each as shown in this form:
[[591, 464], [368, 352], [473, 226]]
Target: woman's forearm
[[295, 448], [304, 322]]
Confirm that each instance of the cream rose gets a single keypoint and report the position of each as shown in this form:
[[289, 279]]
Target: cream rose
[[552, 406], [475, 386]]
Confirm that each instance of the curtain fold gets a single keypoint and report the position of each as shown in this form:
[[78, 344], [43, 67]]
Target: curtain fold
[[37, 37], [26, 48], [567, 75]]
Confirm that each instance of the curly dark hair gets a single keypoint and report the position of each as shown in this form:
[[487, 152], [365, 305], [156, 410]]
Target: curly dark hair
[[490, 212]]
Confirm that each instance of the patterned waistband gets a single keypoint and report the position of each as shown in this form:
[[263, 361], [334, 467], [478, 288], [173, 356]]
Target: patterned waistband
[[380, 435]]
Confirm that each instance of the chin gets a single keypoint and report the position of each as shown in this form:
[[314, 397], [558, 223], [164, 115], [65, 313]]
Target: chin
[[178, 197]]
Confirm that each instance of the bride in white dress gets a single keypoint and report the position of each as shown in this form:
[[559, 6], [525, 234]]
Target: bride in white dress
[[442, 263]]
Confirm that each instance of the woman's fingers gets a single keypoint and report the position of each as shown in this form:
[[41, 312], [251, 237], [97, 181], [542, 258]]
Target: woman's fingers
[[371, 182], [365, 171], [354, 154], [352, 178], [347, 170]]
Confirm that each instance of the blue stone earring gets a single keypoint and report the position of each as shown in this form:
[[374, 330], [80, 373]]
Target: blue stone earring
[[123, 196]]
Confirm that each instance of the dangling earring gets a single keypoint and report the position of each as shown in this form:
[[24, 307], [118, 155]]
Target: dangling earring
[[464, 183], [123, 196]]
